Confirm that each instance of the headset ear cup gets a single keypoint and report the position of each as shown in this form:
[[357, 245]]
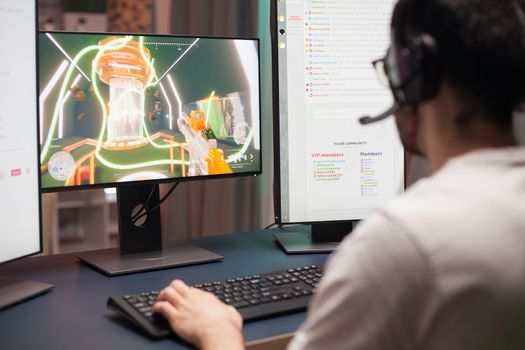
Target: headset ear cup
[[415, 69], [431, 67]]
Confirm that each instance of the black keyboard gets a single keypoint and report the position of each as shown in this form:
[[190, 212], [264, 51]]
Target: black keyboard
[[255, 297]]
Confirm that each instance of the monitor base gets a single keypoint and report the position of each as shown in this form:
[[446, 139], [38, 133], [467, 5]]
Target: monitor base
[[301, 242], [13, 291], [112, 263]]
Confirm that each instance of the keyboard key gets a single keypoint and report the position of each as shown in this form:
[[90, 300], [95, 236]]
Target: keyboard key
[[240, 304]]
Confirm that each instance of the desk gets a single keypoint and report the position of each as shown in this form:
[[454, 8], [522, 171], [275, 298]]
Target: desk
[[74, 315]]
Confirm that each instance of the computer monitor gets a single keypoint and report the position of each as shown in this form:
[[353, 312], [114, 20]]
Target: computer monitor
[[133, 111], [330, 171], [20, 210]]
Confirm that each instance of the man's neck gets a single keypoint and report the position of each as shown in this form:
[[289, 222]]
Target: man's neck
[[482, 136]]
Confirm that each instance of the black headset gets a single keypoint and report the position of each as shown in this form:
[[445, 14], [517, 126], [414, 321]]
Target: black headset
[[414, 70]]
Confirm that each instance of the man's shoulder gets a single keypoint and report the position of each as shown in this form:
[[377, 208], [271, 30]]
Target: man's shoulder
[[464, 226]]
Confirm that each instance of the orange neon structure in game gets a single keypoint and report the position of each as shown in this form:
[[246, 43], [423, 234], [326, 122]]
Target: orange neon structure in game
[[125, 67]]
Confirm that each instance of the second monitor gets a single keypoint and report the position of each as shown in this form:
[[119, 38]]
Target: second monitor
[[133, 111], [330, 170]]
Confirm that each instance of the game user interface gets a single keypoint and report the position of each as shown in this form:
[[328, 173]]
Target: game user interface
[[121, 108]]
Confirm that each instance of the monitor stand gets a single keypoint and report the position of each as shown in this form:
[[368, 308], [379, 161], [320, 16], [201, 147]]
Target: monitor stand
[[141, 242], [322, 238], [14, 291]]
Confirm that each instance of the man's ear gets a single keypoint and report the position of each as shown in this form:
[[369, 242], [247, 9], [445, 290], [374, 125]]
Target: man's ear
[[408, 124]]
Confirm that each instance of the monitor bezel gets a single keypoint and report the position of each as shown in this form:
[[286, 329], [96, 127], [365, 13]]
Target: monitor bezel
[[276, 130], [37, 168], [152, 181]]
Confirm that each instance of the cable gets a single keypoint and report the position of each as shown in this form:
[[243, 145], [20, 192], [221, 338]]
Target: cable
[[145, 205], [157, 206], [278, 225], [270, 226]]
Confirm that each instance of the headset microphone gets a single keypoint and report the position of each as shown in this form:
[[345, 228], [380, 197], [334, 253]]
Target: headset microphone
[[369, 120]]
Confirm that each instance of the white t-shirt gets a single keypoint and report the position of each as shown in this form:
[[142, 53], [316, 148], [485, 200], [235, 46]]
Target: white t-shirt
[[442, 267]]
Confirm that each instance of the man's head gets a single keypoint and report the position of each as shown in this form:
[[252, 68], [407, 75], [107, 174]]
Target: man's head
[[469, 58]]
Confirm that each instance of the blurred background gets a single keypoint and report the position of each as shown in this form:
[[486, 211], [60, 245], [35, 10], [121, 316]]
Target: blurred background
[[84, 220]]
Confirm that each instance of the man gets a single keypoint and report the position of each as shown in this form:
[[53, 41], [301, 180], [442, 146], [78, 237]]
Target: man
[[443, 267]]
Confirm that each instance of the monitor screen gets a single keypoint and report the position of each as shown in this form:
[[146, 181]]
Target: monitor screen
[[127, 108], [331, 168], [20, 212]]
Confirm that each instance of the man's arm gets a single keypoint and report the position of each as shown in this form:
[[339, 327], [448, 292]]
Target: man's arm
[[200, 318]]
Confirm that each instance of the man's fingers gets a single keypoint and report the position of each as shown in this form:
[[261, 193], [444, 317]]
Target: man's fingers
[[181, 287], [167, 310], [172, 296]]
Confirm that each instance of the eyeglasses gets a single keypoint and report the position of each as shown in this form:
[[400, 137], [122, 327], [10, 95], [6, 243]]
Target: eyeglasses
[[381, 71]]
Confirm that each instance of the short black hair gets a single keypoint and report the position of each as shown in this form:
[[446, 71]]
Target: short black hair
[[481, 46]]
